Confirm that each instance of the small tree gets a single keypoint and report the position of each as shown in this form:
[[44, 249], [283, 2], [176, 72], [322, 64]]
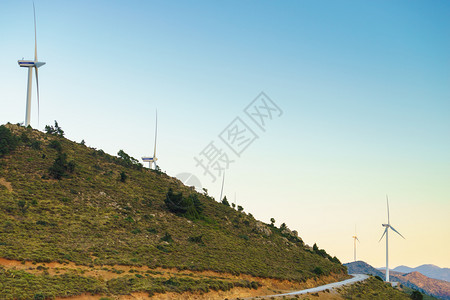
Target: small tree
[[54, 130], [416, 295], [234, 205], [56, 145], [123, 176], [59, 167], [8, 142], [22, 205], [315, 248], [240, 208], [272, 222], [283, 226], [225, 201]]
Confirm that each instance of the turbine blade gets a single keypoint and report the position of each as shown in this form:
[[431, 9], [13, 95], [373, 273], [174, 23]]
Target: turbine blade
[[383, 234], [35, 35], [37, 87], [156, 133], [358, 240], [387, 202], [397, 232]]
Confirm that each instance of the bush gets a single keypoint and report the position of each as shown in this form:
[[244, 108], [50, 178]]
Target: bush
[[189, 207], [167, 238], [59, 167], [8, 142], [56, 145], [416, 295], [54, 130], [318, 271], [225, 201], [123, 176], [36, 145], [128, 161], [196, 239]]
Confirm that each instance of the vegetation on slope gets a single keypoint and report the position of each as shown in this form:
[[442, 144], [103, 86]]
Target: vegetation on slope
[[65, 202], [373, 289]]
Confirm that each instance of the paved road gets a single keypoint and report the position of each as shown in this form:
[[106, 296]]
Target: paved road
[[356, 278]]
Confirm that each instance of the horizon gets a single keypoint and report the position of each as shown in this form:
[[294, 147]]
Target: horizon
[[359, 96]]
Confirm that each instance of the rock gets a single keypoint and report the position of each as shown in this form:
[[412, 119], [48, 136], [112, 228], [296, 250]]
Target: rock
[[262, 228]]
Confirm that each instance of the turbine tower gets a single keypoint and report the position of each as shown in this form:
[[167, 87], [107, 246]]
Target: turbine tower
[[355, 238], [152, 160], [386, 232], [30, 64]]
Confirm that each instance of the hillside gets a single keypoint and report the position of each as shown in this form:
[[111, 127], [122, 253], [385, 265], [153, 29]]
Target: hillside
[[76, 220], [431, 271], [361, 267], [415, 280], [435, 287]]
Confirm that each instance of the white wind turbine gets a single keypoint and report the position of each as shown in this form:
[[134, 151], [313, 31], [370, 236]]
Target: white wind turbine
[[355, 238], [30, 64], [152, 160], [386, 232], [221, 190]]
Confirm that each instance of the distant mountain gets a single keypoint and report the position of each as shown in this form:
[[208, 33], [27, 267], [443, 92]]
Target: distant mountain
[[431, 271], [414, 280], [434, 287]]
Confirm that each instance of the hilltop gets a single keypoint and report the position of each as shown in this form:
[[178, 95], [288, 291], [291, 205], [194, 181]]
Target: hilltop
[[77, 220]]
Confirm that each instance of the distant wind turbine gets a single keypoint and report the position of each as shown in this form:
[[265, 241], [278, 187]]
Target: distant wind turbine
[[221, 190], [30, 64], [355, 238], [152, 160], [386, 232]]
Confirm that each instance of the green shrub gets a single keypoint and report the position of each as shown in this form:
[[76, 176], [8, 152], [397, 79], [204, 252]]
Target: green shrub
[[167, 238], [225, 201], [196, 239], [123, 176], [54, 130], [190, 207], [36, 145], [318, 271], [56, 145], [8, 142]]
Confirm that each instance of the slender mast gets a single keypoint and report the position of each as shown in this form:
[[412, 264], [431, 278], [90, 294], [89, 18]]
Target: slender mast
[[387, 255]]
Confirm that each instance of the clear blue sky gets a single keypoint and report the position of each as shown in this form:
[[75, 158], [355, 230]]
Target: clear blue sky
[[364, 87]]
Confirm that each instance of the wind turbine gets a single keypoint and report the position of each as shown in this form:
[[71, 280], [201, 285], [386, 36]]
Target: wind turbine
[[152, 160], [386, 232], [221, 190], [355, 238], [30, 64]]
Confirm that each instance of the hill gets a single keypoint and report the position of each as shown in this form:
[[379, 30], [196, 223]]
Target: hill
[[431, 271], [77, 220], [415, 280], [361, 267], [434, 287]]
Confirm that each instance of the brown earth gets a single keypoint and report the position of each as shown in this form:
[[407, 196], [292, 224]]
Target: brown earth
[[6, 184], [269, 286]]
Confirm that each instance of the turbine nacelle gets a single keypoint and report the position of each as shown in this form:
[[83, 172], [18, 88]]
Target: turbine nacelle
[[149, 159], [385, 225], [30, 63]]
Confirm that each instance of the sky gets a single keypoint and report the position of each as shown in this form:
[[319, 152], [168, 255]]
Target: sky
[[316, 110]]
